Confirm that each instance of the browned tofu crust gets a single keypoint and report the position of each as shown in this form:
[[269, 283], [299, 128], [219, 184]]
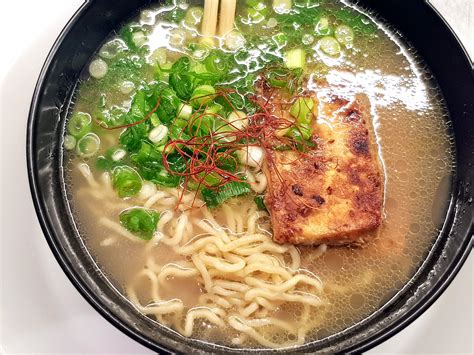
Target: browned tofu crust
[[332, 194]]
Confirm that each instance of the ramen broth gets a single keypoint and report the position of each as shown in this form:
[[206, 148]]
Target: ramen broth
[[411, 132]]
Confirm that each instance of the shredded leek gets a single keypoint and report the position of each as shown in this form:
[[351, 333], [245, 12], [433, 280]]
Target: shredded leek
[[295, 58], [214, 198], [126, 181], [79, 124], [140, 221]]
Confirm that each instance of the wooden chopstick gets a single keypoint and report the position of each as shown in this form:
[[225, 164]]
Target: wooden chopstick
[[209, 19], [226, 16]]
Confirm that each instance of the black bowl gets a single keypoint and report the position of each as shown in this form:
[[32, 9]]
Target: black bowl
[[95, 20]]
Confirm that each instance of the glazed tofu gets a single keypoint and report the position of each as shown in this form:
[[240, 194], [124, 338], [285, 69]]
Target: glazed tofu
[[333, 193]]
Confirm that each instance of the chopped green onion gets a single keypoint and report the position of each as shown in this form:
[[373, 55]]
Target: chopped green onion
[[261, 7], [251, 156], [208, 121], [112, 48], [139, 38], [300, 133], [88, 145], [201, 68], [127, 87], [280, 39], [159, 135], [322, 27], [98, 68], [69, 142], [211, 179], [214, 198], [147, 17], [126, 181], [193, 16], [295, 58], [200, 53], [255, 16], [234, 40], [272, 22], [344, 35], [221, 133], [180, 81], [178, 37], [118, 154], [301, 109], [168, 105], [149, 163], [307, 39], [155, 121], [79, 124], [260, 202], [179, 123], [330, 46], [111, 159], [140, 221], [202, 94], [213, 109], [277, 77], [184, 111], [237, 120], [126, 34], [104, 164], [282, 6], [283, 77], [207, 42]]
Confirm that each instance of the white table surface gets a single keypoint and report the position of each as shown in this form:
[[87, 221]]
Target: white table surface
[[40, 310]]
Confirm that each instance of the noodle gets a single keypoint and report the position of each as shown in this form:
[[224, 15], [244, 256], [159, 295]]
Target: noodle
[[154, 199], [86, 172], [201, 312], [179, 231], [117, 228], [245, 276], [147, 191], [175, 271]]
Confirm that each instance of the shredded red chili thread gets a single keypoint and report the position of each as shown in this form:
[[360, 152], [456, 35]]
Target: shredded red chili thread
[[205, 155]]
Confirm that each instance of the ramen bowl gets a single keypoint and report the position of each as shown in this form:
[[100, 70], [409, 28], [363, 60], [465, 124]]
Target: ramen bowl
[[419, 24]]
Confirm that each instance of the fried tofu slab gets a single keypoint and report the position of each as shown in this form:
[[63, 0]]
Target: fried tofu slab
[[333, 193]]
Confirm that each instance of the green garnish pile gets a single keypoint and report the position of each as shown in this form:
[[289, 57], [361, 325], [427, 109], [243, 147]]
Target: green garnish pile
[[164, 92]]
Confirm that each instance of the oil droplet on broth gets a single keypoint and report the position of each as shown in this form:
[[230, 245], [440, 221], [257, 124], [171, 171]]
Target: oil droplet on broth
[[357, 301]]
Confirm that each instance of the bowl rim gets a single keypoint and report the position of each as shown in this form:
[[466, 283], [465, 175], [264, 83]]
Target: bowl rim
[[48, 231]]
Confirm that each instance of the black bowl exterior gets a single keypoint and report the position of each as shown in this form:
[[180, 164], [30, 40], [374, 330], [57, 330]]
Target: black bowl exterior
[[93, 23]]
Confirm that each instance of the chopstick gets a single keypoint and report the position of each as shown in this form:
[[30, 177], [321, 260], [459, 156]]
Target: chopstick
[[209, 19], [227, 16]]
